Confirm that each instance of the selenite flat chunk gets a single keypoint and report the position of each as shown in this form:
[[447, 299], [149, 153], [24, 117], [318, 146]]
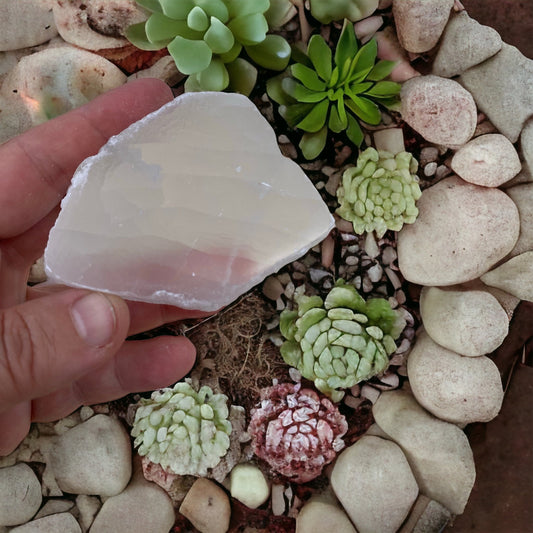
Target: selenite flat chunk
[[190, 206]]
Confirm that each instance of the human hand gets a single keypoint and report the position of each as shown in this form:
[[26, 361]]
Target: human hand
[[64, 348]]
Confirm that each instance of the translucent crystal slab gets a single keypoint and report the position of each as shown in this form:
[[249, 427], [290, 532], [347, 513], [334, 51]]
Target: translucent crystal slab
[[190, 206]]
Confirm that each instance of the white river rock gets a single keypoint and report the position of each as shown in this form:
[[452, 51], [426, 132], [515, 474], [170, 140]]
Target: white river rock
[[488, 160], [55, 523], [514, 276], [438, 452], [191, 206], [462, 230], [420, 23], [464, 44], [93, 457], [374, 483], [320, 516], [439, 109], [522, 196], [454, 388], [470, 323]]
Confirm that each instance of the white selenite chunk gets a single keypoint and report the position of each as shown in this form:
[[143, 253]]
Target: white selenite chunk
[[190, 206]]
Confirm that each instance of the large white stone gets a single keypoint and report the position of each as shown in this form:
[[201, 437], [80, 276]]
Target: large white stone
[[60, 522], [438, 452], [20, 494], [374, 483], [190, 206], [470, 323], [318, 516], [454, 388], [522, 196], [514, 276], [93, 457], [461, 231]]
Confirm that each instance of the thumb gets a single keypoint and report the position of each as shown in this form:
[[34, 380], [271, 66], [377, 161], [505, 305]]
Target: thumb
[[49, 342]]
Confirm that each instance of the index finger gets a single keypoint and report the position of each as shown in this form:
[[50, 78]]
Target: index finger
[[37, 166]]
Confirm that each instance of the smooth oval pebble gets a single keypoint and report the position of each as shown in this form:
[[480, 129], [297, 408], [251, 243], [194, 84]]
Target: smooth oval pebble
[[470, 323], [453, 387], [439, 452], [322, 517], [522, 196], [55, 523], [441, 110], [461, 231], [374, 483], [20, 494], [488, 160], [93, 457]]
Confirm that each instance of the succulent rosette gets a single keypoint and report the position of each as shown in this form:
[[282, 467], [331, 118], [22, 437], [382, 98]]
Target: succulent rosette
[[183, 430], [205, 38], [340, 341], [380, 193], [296, 431]]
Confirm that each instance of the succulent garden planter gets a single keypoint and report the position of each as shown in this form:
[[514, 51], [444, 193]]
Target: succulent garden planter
[[358, 386]]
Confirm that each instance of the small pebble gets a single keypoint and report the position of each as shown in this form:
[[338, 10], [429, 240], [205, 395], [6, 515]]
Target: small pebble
[[370, 393], [295, 375], [317, 275], [428, 154], [442, 171], [367, 284], [352, 260], [352, 402], [393, 277], [371, 246], [430, 169], [289, 290], [400, 296], [278, 500], [327, 170], [272, 288], [389, 255], [375, 272]]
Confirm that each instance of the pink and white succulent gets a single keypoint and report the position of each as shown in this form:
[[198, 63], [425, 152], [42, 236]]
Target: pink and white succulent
[[296, 431]]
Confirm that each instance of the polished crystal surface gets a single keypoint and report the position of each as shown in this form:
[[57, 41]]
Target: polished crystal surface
[[191, 206]]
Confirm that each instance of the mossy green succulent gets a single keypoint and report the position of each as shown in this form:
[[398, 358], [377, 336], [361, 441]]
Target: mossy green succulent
[[322, 92], [340, 341], [183, 430], [205, 37], [380, 193]]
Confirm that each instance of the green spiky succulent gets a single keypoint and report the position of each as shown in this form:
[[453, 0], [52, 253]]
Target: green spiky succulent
[[327, 11], [380, 193], [320, 92], [340, 341], [184, 431], [205, 38]]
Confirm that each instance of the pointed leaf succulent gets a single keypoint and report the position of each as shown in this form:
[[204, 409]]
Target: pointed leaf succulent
[[340, 341], [208, 35], [380, 193], [183, 430], [325, 91]]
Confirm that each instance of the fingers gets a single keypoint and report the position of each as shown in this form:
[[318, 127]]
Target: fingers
[[49, 342], [138, 366], [15, 424], [37, 166]]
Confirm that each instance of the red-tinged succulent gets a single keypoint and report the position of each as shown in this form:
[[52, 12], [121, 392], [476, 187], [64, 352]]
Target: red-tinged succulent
[[296, 431]]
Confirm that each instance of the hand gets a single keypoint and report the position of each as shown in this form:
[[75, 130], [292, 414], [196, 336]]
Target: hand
[[64, 348]]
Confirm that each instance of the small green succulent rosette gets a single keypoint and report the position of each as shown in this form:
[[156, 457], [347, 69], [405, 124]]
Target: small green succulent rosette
[[183, 430], [324, 92], [380, 193], [340, 341], [205, 38]]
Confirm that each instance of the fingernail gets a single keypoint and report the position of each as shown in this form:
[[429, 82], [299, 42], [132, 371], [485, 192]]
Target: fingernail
[[94, 318]]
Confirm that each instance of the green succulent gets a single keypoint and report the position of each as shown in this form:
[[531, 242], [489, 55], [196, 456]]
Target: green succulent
[[183, 430], [205, 38], [380, 193], [327, 11], [340, 341], [322, 91]]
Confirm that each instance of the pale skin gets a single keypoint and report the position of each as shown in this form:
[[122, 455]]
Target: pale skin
[[61, 348]]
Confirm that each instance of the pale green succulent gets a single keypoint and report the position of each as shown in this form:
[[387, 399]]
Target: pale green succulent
[[327, 11], [340, 341], [205, 38], [185, 431], [380, 193]]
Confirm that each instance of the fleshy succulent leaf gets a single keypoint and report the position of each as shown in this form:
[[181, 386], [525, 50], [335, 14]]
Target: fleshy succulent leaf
[[232, 54], [242, 76], [275, 91], [354, 131], [215, 77], [364, 108], [320, 55], [159, 27], [249, 29], [381, 70], [295, 113], [383, 89], [301, 93], [273, 53], [176, 10], [239, 8], [308, 77], [312, 144], [190, 56], [197, 19], [213, 8], [365, 58], [316, 118], [136, 34], [279, 13], [219, 37], [347, 46]]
